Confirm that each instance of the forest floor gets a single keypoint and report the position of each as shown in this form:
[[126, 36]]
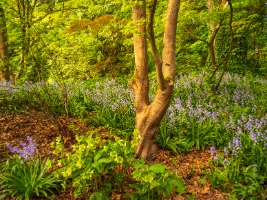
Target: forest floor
[[44, 129]]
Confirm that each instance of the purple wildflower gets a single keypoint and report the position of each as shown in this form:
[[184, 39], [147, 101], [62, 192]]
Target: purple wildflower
[[259, 134], [225, 161], [234, 152], [213, 153], [239, 131], [28, 150], [237, 143], [253, 137]]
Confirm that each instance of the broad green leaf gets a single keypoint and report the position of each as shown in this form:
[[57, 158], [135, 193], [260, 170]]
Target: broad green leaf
[[99, 167], [157, 168], [98, 155], [105, 160]]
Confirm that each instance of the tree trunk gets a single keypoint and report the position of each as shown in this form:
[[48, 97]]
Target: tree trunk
[[4, 69], [149, 116], [25, 11]]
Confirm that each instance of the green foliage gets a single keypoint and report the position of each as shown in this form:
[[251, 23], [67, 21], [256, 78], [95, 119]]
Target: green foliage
[[167, 141], [95, 165], [243, 165], [41, 96], [242, 182], [154, 181], [120, 119], [25, 179]]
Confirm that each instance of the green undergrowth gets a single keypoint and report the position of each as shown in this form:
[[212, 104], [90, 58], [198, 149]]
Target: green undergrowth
[[233, 121], [96, 168]]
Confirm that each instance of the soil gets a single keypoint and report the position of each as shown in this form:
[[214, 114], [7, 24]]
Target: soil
[[44, 128]]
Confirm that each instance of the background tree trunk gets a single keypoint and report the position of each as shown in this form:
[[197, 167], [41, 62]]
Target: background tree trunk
[[149, 116], [25, 11], [4, 69]]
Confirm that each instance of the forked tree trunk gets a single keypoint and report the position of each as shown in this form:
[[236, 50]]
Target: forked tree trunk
[[4, 69], [149, 115]]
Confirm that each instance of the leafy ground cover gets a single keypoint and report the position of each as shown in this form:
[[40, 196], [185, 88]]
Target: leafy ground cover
[[215, 144], [188, 166]]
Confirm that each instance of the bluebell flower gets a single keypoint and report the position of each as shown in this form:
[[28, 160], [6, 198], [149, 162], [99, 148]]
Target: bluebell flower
[[28, 150], [239, 131], [237, 143], [253, 136], [225, 161], [259, 134], [234, 152], [212, 150]]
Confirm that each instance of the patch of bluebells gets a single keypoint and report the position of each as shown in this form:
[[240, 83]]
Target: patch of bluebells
[[8, 88], [200, 112], [215, 156], [256, 128], [189, 103], [27, 152], [247, 146], [112, 94]]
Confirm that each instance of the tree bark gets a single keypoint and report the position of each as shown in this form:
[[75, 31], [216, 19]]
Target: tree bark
[[25, 11], [149, 115], [4, 69]]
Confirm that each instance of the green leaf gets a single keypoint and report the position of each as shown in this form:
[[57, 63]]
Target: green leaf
[[99, 167], [105, 160], [179, 183], [135, 197], [157, 168], [137, 173], [98, 155], [99, 196]]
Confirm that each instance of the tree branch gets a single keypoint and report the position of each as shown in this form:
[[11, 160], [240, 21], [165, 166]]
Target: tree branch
[[168, 52], [155, 54], [227, 57], [139, 83], [196, 37], [214, 33]]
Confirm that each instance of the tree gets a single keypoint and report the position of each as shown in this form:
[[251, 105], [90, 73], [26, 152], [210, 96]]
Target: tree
[[25, 12], [149, 115], [4, 69], [215, 12]]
